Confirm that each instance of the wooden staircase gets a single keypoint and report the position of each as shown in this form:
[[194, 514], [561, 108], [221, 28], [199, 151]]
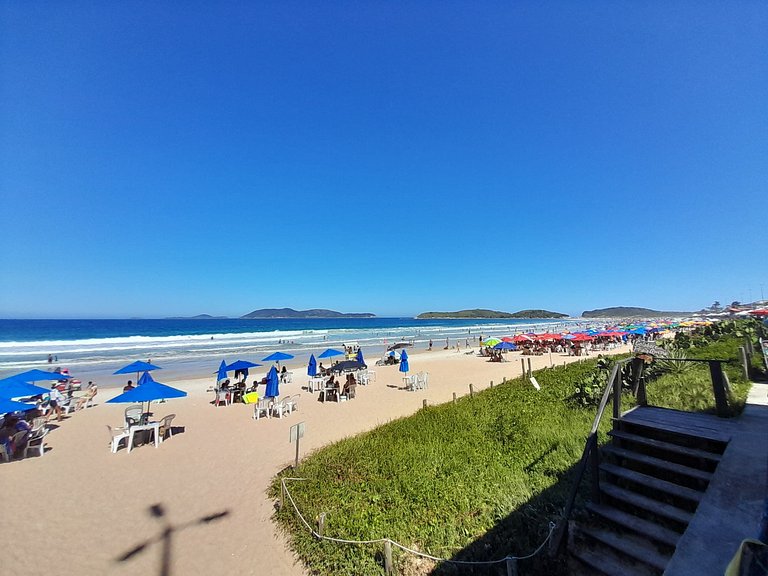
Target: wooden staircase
[[652, 477]]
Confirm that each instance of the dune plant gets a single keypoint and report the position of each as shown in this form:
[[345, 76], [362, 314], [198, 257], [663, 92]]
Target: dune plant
[[474, 480]]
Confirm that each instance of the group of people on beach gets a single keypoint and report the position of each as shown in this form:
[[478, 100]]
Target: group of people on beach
[[16, 427]]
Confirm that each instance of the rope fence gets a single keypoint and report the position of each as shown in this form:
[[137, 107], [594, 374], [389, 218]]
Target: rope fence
[[511, 561]]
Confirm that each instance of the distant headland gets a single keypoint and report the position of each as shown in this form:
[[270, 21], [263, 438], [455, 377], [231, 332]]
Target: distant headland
[[480, 313], [628, 312], [313, 313]]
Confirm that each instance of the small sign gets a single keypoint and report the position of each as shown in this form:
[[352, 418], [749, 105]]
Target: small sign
[[643, 347], [297, 431], [535, 383]]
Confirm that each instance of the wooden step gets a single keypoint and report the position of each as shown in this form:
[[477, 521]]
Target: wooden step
[[644, 527], [691, 425], [658, 463], [654, 483], [633, 547], [609, 564], [649, 504], [666, 446]]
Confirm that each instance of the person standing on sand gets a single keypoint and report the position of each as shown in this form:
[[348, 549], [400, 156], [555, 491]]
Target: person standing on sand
[[430, 343]]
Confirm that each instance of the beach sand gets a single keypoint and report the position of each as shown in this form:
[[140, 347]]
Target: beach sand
[[79, 508]]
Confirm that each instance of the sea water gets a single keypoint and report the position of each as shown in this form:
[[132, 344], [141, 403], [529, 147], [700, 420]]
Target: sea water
[[197, 346]]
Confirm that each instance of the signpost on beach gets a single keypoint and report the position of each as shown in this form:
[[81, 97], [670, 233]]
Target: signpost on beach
[[297, 432]]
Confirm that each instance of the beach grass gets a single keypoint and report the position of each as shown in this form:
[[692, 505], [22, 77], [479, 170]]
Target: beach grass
[[478, 479]]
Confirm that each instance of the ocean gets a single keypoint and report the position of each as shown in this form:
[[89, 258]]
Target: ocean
[[190, 347]]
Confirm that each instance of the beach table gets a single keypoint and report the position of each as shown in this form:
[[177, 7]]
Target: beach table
[[154, 426], [316, 383]]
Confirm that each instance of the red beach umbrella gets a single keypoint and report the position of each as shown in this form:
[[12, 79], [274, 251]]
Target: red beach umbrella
[[581, 338], [522, 339]]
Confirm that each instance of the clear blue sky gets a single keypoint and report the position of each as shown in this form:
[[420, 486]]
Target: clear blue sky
[[174, 158]]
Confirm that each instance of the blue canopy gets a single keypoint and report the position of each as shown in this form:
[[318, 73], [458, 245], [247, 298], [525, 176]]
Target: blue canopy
[[312, 366], [14, 388], [277, 356], [11, 406], [241, 365], [148, 390], [505, 346], [330, 353], [137, 366], [403, 361], [360, 358], [36, 375], [273, 380], [222, 372]]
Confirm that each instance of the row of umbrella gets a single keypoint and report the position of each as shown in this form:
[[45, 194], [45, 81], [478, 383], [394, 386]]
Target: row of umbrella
[[21, 386]]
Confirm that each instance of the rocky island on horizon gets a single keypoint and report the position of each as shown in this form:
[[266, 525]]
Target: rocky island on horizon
[[265, 313]]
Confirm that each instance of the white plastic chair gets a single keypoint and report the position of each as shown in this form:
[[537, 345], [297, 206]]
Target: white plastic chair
[[263, 406], [410, 382], [165, 427], [117, 434], [222, 395], [281, 407], [293, 402], [133, 415], [36, 442]]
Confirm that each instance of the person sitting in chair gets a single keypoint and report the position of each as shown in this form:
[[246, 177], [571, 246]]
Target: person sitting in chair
[[90, 392]]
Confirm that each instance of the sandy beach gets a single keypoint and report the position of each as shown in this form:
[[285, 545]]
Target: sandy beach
[[79, 508]]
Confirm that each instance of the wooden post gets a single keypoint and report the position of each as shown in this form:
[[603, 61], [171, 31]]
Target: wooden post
[[616, 374], [529, 368], [471, 390], [522, 363], [718, 387], [387, 557], [511, 566], [454, 397], [321, 523], [594, 465], [282, 494], [491, 384], [504, 380], [744, 362], [424, 404]]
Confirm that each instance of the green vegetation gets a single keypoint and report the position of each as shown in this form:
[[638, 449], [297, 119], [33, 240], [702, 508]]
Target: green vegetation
[[473, 480], [481, 313]]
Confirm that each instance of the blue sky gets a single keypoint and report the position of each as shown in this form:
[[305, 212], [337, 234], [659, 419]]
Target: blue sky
[[173, 158]]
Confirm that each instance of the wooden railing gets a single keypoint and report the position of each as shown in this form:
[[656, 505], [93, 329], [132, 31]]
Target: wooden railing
[[589, 457]]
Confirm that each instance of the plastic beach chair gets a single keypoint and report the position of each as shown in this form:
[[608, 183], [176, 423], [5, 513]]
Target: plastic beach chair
[[117, 434]]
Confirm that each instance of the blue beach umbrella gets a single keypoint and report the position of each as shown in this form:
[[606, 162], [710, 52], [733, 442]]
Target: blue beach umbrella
[[273, 380], [404, 361], [277, 356], [37, 375], [222, 372], [11, 406], [14, 388], [312, 366], [137, 366], [505, 346], [147, 390], [241, 366], [330, 353], [360, 358]]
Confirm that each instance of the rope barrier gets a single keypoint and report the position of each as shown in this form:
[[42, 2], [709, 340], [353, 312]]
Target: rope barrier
[[405, 548]]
